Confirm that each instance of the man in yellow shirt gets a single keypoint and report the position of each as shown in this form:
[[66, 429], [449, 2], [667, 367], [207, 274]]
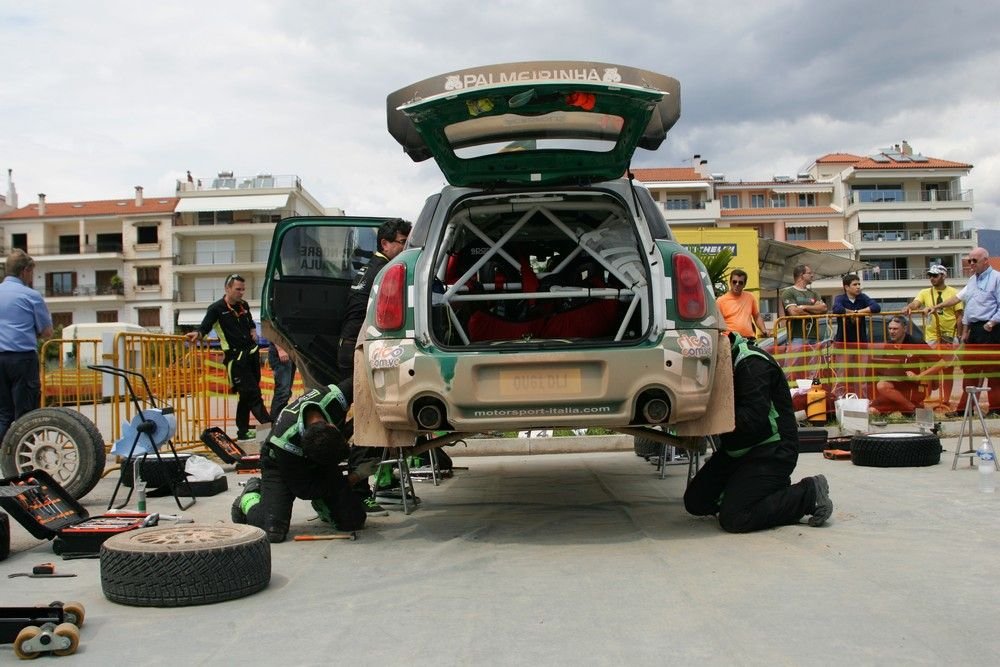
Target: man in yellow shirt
[[943, 329], [739, 308]]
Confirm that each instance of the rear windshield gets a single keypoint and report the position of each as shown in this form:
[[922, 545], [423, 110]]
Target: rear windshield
[[326, 252]]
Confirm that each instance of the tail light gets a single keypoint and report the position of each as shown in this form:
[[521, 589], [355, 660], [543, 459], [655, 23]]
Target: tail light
[[689, 295], [390, 306]]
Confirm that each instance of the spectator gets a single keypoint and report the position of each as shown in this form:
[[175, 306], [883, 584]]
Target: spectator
[[903, 372], [798, 300], [283, 369], [231, 319], [853, 305], [980, 320], [944, 330], [24, 319], [739, 308]]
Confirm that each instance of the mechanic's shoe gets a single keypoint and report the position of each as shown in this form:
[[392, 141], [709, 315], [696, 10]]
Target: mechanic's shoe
[[249, 497], [824, 506], [372, 508], [322, 510], [392, 496]]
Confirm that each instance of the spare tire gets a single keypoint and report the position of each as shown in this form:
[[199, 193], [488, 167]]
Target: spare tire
[[177, 566], [895, 450], [60, 441]]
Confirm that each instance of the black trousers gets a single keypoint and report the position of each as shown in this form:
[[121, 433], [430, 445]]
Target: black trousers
[[20, 387], [752, 492], [244, 375], [285, 477]]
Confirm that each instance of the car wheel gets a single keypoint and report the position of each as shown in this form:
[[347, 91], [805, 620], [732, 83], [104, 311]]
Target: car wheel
[[178, 566], [895, 450], [60, 441]]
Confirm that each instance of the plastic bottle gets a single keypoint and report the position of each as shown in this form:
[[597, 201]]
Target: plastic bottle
[[816, 404], [987, 468]]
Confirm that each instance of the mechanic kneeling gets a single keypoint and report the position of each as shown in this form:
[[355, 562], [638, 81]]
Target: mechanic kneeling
[[747, 482], [301, 459]]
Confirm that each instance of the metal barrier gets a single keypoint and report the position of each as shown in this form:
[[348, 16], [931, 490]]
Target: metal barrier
[[188, 377], [856, 367]]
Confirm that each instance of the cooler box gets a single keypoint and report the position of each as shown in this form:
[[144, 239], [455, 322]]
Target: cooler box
[[49, 513]]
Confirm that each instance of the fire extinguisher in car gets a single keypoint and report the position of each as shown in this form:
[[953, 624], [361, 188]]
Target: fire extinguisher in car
[[816, 403]]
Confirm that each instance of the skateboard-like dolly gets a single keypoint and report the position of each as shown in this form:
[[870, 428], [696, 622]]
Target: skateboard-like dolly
[[53, 629]]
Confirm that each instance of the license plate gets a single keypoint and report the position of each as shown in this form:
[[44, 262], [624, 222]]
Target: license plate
[[541, 382]]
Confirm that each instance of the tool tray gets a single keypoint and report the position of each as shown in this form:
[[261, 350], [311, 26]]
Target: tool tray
[[50, 513], [229, 451]]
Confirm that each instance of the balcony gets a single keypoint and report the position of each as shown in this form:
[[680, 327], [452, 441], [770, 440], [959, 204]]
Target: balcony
[[227, 181], [85, 291], [701, 213], [871, 239], [221, 260], [50, 252], [881, 200]]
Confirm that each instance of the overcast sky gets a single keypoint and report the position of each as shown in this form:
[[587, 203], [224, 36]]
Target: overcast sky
[[97, 97]]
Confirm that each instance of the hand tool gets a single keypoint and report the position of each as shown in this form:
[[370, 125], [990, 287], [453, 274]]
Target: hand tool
[[331, 536]]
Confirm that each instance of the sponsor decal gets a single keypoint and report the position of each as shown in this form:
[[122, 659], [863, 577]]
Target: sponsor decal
[[385, 356], [476, 79], [697, 346], [711, 248], [542, 412]]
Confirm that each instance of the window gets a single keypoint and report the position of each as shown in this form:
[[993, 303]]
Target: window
[[796, 234], [147, 234], [807, 199], [215, 217], [779, 200], [678, 203], [757, 201], [730, 201], [69, 245], [60, 284], [107, 316], [215, 251], [212, 288], [60, 320], [148, 317], [147, 276], [19, 241], [109, 243], [877, 193]]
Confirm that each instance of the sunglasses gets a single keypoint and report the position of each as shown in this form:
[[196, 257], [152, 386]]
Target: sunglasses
[[738, 282], [233, 277]]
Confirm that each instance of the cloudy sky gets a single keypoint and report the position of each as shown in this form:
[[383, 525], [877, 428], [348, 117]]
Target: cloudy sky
[[99, 96]]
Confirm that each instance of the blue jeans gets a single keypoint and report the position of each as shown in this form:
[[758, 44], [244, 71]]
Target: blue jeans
[[284, 375]]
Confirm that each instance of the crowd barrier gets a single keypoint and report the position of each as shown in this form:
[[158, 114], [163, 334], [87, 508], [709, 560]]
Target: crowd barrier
[[188, 377]]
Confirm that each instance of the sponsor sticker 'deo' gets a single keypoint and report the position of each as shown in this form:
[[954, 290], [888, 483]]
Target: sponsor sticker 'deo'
[[385, 356], [699, 346]]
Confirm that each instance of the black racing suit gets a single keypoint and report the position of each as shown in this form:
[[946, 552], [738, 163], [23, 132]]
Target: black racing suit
[[354, 318], [747, 482], [287, 473], [233, 325]]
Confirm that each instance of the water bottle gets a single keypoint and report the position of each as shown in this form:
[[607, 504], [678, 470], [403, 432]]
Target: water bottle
[[987, 469]]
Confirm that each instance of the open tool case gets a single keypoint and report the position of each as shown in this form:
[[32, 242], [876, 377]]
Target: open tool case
[[48, 512], [229, 451]]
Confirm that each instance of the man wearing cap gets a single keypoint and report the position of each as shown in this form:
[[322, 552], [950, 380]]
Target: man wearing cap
[[230, 318], [944, 329], [980, 319]]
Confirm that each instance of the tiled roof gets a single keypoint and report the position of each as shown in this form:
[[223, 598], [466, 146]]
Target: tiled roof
[[668, 174], [780, 212], [95, 208], [838, 158], [927, 163]]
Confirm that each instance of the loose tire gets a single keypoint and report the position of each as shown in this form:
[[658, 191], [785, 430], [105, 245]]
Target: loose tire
[[177, 566], [646, 447], [60, 441], [895, 450]]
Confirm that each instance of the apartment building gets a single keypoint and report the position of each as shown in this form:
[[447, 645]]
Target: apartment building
[[153, 261], [896, 210]]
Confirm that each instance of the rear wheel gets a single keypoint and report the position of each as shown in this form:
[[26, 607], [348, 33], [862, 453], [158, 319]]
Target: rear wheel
[[60, 441]]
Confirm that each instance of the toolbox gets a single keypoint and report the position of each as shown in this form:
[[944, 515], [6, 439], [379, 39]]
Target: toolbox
[[229, 451], [48, 512], [813, 439], [166, 470]]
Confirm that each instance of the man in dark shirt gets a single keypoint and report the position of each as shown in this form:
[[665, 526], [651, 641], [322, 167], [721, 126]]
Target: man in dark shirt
[[231, 319], [747, 482], [392, 235]]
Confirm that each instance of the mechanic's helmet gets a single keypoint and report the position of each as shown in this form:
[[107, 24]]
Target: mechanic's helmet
[[323, 443]]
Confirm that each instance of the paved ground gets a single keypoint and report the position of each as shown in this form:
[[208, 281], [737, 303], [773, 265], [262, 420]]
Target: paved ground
[[583, 559]]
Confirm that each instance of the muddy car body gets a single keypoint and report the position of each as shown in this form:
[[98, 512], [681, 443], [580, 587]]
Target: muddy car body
[[540, 288]]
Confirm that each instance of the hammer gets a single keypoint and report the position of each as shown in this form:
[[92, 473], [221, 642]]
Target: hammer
[[329, 536]]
